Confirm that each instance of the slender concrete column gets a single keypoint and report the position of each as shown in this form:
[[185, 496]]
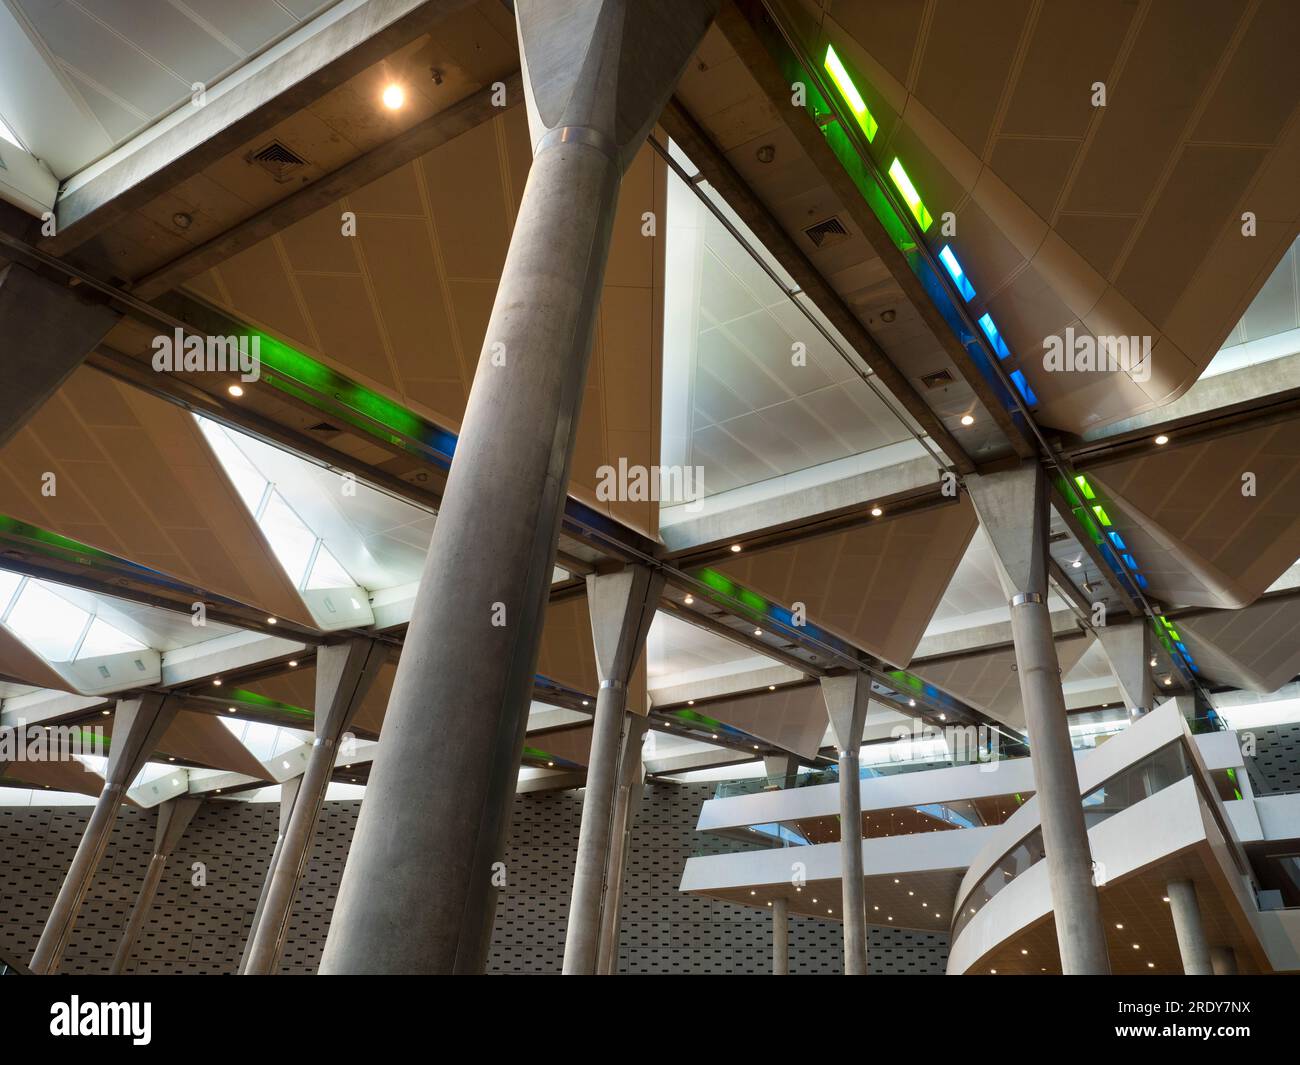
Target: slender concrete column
[[1223, 960], [288, 796], [344, 673], [626, 800], [846, 704], [174, 817], [1189, 929], [780, 937], [138, 725], [622, 606], [1012, 507], [47, 332], [417, 892]]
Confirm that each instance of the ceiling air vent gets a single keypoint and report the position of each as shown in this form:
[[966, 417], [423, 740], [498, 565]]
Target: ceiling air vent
[[938, 379], [278, 160], [827, 232], [322, 427]]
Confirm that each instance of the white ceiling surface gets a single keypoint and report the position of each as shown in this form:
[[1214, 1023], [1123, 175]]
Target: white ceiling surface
[[678, 652], [1276, 308], [730, 333], [80, 77], [380, 540]]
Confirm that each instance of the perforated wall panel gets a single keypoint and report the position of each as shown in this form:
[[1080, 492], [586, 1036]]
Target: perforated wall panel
[[1275, 768], [202, 928]]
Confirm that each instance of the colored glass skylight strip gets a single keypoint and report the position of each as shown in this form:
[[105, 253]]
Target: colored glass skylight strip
[[995, 338], [910, 196], [849, 91], [1022, 384], [957, 274]]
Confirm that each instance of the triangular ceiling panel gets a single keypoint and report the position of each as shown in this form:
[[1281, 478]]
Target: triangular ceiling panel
[[134, 477], [793, 719], [1254, 648], [877, 585]]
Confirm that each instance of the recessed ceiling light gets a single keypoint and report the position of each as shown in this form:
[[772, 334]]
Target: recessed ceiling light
[[270, 621], [876, 512], [1162, 439], [690, 599], [293, 663], [1168, 681], [235, 390], [1023, 951], [1077, 563], [1152, 663], [968, 419], [216, 682], [758, 632], [943, 717], [394, 97], [106, 712], [771, 687], [690, 702], [285, 764], [735, 548], [1151, 965], [1120, 927], [1137, 946], [230, 709]]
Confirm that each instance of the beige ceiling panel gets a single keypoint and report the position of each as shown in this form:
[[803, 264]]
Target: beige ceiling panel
[[876, 585], [989, 682], [59, 775], [1035, 168], [1254, 648], [142, 484], [202, 738], [564, 745], [19, 663], [892, 30], [793, 719], [1190, 497], [566, 654]]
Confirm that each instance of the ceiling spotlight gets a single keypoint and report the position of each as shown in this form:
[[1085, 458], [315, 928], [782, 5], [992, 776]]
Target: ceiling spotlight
[[394, 97], [1152, 663], [911, 702], [293, 663], [876, 512], [585, 702], [235, 390], [1169, 681], [968, 419], [270, 621], [1077, 563], [690, 599], [285, 764], [550, 763], [771, 687], [216, 682], [690, 702], [1137, 946], [1023, 951], [106, 712], [943, 717], [758, 632], [735, 549], [1162, 439], [1151, 965], [230, 709]]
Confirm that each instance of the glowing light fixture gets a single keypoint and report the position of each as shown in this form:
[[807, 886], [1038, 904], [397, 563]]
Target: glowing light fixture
[[394, 97], [849, 91], [910, 196], [1162, 439], [1022, 384], [235, 390], [968, 419], [876, 512], [957, 274]]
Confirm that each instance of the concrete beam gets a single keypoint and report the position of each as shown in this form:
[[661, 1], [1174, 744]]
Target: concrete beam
[[281, 82]]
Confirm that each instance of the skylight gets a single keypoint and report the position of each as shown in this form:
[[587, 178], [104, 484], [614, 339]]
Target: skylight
[[7, 134], [53, 627]]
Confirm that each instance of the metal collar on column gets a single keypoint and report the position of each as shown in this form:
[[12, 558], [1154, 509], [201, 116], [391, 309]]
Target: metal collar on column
[[586, 135]]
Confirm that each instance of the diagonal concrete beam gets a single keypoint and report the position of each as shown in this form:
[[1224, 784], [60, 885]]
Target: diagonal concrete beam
[[138, 726], [174, 817], [46, 332], [286, 81], [410, 144]]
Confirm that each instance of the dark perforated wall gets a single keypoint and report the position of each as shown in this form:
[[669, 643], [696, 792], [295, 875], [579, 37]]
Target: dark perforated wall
[[201, 929], [1275, 768]]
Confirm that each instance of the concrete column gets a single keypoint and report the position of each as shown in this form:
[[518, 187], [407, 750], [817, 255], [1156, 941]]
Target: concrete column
[[138, 725], [846, 704], [1223, 960], [288, 796], [344, 673], [1012, 507], [47, 332], [780, 937], [174, 817], [596, 74], [1188, 927], [1127, 646], [622, 606], [626, 800]]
